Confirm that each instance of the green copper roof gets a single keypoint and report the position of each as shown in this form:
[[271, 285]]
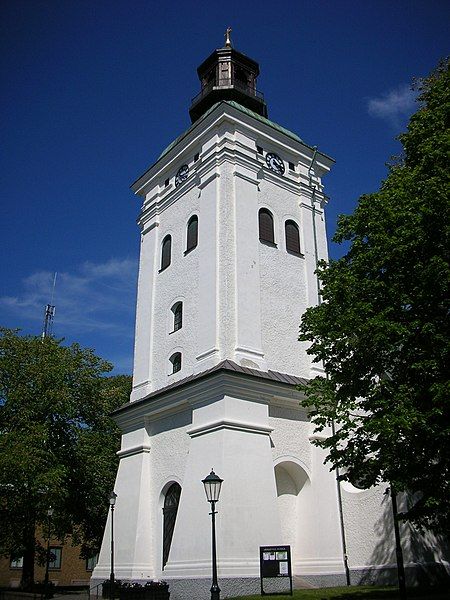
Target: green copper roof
[[243, 109], [268, 122]]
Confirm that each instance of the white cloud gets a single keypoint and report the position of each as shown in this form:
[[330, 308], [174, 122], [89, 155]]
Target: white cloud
[[393, 106], [97, 297]]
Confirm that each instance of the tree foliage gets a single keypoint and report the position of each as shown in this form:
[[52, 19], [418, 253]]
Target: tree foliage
[[57, 443], [382, 329]]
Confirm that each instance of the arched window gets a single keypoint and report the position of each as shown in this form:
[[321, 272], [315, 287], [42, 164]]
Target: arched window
[[175, 359], [171, 502], [192, 233], [266, 226], [166, 251], [292, 237], [177, 310]]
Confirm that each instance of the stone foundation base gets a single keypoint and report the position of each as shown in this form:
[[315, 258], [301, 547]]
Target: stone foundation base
[[199, 589], [419, 574]]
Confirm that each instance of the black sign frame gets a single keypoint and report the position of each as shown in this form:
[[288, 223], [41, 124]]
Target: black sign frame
[[274, 562]]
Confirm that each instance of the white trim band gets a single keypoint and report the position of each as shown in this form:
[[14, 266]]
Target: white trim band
[[227, 424], [133, 450]]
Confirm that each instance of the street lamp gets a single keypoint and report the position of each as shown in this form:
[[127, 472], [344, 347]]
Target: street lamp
[[112, 502], [212, 485], [47, 560]]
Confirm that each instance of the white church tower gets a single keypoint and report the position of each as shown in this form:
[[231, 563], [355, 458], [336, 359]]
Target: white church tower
[[232, 225]]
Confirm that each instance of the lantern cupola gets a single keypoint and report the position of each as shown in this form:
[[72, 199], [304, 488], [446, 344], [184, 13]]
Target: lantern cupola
[[228, 75]]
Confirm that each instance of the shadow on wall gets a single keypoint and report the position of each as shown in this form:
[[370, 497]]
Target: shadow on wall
[[175, 421], [425, 555]]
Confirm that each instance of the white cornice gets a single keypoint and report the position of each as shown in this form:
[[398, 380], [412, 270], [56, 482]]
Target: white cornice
[[203, 390], [142, 448], [273, 138], [229, 424]]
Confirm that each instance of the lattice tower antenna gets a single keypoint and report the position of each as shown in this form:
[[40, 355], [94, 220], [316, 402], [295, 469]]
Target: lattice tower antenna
[[49, 314]]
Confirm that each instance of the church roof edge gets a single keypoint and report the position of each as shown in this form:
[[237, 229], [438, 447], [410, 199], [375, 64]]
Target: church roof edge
[[242, 109], [225, 365]]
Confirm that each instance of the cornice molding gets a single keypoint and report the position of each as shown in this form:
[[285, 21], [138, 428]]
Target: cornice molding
[[229, 424], [245, 124], [203, 390], [142, 448]]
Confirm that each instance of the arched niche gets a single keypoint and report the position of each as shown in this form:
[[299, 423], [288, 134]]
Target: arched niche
[[294, 504]]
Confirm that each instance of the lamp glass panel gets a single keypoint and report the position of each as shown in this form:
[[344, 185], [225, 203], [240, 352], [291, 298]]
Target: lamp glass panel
[[212, 489]]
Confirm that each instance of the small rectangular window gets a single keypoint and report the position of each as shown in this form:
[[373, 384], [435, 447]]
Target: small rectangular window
[[291, 166], [259, 149], [55, 558], [166, 183], [196, 157], [17, 563], [91, 562]]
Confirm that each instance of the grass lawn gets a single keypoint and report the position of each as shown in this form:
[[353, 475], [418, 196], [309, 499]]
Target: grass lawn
[[365, 592]]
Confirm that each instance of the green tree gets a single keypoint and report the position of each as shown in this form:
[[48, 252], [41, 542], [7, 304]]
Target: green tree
[[382, 329], [57, 443]]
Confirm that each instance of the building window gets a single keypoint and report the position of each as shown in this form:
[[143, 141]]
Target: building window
[[292, 237], [259, 150], [266, 226], [175, 359], [196, 157], [166, 183], [16, 563], [171, 502], [166, 251], [291, 166], [192, 233], [91, 562], [55, 557], [177, 310]]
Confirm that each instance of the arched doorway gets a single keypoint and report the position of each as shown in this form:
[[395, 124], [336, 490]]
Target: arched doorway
[[171, 502]]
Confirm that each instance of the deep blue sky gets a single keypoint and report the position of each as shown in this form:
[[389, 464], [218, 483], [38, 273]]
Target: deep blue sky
[[93, 90]]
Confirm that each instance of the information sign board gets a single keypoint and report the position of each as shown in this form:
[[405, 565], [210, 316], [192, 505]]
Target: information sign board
[[274, 562]]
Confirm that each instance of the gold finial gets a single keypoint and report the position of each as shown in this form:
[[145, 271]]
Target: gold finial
[[227, 37]]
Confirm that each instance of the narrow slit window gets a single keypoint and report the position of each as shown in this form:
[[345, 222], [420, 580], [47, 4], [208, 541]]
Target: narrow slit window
[[292, 237], [166, 251], [192, 233], [177, 310], [266, 233], [171, 502]]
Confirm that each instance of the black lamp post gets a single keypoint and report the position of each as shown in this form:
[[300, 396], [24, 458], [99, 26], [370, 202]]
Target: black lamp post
[[47, 559], [112, 502], [212, 485]]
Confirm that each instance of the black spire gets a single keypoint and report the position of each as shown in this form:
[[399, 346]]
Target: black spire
[[228, 75]]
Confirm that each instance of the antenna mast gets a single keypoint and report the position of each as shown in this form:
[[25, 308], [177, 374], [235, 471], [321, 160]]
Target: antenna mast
[[49, 314]]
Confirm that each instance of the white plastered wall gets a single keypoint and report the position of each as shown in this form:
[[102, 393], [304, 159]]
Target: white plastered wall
[[307, 494], [233, 288], [223, 430]]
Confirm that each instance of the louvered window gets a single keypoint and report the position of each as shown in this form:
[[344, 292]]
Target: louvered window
[[166, 251], [192, 233], [292, 237], [171, 502], [177, 310], [266, 226], [175, 359]]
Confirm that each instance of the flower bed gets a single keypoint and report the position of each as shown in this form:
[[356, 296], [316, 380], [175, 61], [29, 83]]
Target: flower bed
[[127, 590]]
